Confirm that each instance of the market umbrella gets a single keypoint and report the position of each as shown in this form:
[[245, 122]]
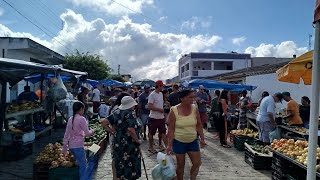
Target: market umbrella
[[299, 68], [111, 82], [212, 84]]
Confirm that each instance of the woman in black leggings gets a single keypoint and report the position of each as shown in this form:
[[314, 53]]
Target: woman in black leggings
[[222, 122]]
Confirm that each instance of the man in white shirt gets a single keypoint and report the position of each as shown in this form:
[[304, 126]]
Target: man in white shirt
[[96, 99], [156, 121], [266, 117]]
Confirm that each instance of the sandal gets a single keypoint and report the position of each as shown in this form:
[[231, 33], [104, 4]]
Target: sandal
[[162, 148], [152, 151], [225, 145]]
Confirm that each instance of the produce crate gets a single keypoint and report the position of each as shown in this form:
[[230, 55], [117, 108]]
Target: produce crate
[[9, 138], [62, 173], [276, 176], [40, 171], [257, 160], [17, 151], [240, 140]]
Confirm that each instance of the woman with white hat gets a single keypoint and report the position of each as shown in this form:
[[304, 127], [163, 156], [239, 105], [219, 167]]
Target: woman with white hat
[[126, 153]]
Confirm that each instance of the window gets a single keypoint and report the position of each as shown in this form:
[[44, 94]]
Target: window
[[182, 69], [223, 65], [187, 67]]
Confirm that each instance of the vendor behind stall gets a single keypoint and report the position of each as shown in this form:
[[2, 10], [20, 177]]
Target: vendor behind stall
[[304, 110], [27, 95], [293, 115]]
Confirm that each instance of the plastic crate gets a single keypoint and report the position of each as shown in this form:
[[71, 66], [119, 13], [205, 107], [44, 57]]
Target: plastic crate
[[9, 138], [61, 173], [239, 141], [40, 171], [17, 151], [276, 176], [258, 162]]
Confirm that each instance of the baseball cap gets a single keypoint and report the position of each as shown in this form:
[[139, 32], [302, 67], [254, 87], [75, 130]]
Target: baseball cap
[[159, 83], [285, 93], [146, 86], [279, 96]]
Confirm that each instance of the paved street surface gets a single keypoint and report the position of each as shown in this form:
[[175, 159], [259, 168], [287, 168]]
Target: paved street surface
[[217, 163]]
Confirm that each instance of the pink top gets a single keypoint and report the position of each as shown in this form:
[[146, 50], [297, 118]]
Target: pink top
[[74, 137]]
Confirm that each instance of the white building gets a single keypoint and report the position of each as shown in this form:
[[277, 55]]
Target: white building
[[27, 50], [200, 65]]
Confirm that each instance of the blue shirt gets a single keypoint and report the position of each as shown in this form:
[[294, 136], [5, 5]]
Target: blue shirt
[[267, 106]]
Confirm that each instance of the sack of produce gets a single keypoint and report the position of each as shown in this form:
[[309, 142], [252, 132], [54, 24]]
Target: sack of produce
[[57, 91]]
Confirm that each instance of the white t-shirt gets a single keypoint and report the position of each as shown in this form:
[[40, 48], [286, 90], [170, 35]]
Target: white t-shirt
[[157, 100], [96, 95], [267, 106], [103, 110]]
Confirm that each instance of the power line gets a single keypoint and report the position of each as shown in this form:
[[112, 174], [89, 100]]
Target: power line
[[28, 19], [159, 22]]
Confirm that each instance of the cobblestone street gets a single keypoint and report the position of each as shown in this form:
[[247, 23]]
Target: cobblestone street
[[217, 163]]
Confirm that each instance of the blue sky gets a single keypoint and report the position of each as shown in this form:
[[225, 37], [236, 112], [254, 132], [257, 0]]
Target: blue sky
[[260, 27]]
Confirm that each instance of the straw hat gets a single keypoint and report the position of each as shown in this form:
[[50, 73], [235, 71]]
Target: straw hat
[[127, 102]]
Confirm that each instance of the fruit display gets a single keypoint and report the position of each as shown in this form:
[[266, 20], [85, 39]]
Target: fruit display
[[16, 107], [99, 134], [297, 150], [300, 129], [260, 148], [245, 132], [52, 154]]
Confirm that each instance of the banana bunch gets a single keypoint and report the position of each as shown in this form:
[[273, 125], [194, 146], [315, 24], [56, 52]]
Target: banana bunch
[[245, 132]]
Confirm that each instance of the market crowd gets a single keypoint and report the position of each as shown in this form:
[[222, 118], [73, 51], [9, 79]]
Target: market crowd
[[176, 116]]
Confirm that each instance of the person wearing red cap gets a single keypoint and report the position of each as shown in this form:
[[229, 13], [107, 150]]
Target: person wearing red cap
[[157, 121]]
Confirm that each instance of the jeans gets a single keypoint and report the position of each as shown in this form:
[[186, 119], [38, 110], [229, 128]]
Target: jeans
[[80, 156]]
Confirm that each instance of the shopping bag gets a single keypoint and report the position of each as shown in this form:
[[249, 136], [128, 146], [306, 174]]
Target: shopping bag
[[275, 134], [168, 169], [156, 172]]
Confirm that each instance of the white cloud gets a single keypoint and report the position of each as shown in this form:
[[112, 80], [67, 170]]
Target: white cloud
[[284, 49], [140, 51], [163, 18], [114, 7], [196, 22], [237, 41]]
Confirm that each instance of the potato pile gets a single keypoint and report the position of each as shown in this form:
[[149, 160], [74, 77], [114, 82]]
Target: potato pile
[[52, 154], [297, 150]]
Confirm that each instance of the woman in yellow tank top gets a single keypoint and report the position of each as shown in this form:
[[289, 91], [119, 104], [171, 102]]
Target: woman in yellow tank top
[[183, 130]]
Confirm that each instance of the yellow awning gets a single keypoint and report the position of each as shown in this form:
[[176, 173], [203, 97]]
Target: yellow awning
[[299, 68]]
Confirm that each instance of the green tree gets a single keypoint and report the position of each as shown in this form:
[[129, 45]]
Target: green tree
[[116, 77], [94, 65]]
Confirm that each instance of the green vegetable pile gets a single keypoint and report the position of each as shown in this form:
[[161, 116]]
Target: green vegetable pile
[[260, 148], [99, 134]]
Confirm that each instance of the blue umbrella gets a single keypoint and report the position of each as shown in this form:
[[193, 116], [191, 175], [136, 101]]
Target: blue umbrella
[[111, 82], [211, 84]]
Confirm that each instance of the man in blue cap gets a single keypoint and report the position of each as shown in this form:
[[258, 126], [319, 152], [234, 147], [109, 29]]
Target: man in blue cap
[[143, 111]]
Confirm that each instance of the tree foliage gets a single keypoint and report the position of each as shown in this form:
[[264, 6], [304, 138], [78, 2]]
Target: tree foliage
[[116, 77], [94, 65]]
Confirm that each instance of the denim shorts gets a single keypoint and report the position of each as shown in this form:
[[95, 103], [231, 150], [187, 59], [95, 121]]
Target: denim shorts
[[182, 148]]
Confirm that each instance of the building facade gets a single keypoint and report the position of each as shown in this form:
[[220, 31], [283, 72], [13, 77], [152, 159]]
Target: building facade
[[27, 50], [200, 65]]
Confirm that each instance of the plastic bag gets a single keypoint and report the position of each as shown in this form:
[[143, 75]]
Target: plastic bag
[[275, 134], [168, 170], [57, 91], [156, 172]]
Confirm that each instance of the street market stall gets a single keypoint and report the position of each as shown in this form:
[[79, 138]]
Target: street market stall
[[16, 119]]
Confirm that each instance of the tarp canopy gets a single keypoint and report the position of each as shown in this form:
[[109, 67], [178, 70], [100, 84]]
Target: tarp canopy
[[297, 69], [13, 70], [211, 84], [36, 78], [111, 82], [91, 82]]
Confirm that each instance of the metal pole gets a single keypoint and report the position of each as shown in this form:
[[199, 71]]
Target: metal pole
[[313, 128]]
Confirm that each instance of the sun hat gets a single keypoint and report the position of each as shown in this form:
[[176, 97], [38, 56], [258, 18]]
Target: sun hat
[[127, 102]]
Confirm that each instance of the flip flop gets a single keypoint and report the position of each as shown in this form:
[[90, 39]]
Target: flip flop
[[152, 151], [225, 145]]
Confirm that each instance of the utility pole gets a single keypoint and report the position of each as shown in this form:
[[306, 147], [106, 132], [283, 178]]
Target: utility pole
[[118, 69], [310, 36]]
